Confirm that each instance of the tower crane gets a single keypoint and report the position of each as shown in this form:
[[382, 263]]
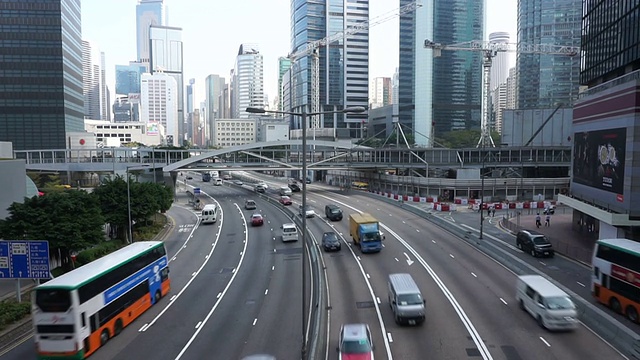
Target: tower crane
[[312, 48], [490, 50]]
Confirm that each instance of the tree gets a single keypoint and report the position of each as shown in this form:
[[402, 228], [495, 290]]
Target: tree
[[70, 221]]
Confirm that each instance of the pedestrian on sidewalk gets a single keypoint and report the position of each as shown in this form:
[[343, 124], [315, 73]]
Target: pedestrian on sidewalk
[[538, 222], [547, 220]]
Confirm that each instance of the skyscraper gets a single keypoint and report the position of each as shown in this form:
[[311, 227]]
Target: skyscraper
[[500, 62], [438, 95], [91, 81], [248, 80], [160, 104], [545, 80], [128, 78], [215, 103], [283, 65], [41, 92], [148, 12], [190, 108], [379, 92], [166, 57], [340, 60]]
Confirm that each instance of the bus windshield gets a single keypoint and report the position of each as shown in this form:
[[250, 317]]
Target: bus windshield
[[53, 300]]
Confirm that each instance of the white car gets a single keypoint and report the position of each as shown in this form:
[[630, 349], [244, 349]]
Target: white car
[[264, 185], [308, 212]]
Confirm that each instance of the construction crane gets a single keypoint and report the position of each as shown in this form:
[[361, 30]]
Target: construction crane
[[312, 48], [490, 50]]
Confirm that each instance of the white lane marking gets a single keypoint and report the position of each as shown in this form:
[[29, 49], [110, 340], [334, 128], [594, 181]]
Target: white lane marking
[[453, 257], [266, 291], [504, 302], [433, 241], [396, 259], [273, 267], [194, 273], [474, 275], [404, 222], [218, 296], [215, 306], [493, 238], [581, 284], [255, 321], [143, 328], [543, 264], [477, 339], [172, 298], [368, 277], [198, 324], [389, 337], [417, 230], [545, 341], [213, 248], [378, 299], [409, 261]]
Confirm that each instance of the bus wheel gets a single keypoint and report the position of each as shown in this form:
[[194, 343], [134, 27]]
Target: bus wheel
[[117, 329], [104, 337], [157, 296], [632, 313], [614, 304]]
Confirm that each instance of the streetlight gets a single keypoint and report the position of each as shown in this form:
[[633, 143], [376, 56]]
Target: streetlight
[[482, 191], [304, 115], [129, 199]]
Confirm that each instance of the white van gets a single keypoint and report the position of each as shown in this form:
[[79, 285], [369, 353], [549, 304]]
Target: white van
[[289, 232], [285, 191], [547, 303], [209, 214], [217, 181], [405, 299]]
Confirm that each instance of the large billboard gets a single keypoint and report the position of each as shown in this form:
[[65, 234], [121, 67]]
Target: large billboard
[[152, 128], [598, 159]]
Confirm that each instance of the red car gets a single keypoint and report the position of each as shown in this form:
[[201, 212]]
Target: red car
[[257, 220], [285, 200]]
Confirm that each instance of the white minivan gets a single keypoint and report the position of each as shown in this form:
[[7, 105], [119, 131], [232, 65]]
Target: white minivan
[[285, 191], [209, 214], [289, 232], [547, 303], [217, 181]]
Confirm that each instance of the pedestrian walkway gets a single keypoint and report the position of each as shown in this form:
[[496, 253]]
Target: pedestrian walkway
[[561, 232]]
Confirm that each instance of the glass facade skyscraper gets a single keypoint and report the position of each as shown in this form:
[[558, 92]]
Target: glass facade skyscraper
[[128, 78], [343, 59], [438, 95], [148, 12], [166, 57], [41, 74], [545, 81], [610, 40]]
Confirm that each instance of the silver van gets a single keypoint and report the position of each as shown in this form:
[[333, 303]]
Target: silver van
[[289, 232], [547, 303], [405, 300]]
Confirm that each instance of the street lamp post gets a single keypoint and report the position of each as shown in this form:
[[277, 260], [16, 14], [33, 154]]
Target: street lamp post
[[482, 192], [304, 115], [130, 231]]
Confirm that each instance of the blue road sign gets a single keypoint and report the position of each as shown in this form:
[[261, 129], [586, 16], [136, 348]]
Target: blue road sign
[[24, 259], [196, 191]]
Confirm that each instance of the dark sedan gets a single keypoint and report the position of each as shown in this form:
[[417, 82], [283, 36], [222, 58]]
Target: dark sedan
[[331, 242]]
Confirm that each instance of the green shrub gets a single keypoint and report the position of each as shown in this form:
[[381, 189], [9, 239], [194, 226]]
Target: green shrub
[[12, 311], [96, 252]]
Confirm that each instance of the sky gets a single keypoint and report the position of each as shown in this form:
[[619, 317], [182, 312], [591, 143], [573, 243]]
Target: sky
[[214, 29]]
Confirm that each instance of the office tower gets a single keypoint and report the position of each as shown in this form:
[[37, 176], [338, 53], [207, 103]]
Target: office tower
[[91, 81], [122, 110], [544, 81], [215, 103], [160, 104], [128, 78], [45, 44], [341, 60], [394, 87], [379, 92], [438, 95], [148, 13], [499, 99], [190, 109], [107, 102], [248, 80], [512, 80], [166, 57], [500, 62], [283, 65], [104, 92], [611, 43]]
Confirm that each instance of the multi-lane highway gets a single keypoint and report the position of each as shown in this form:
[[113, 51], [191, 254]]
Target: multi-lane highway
[[237, 290], [470, 297]]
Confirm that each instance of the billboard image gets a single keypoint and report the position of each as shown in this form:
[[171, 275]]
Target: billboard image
[[152, 128], [598, 159]]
